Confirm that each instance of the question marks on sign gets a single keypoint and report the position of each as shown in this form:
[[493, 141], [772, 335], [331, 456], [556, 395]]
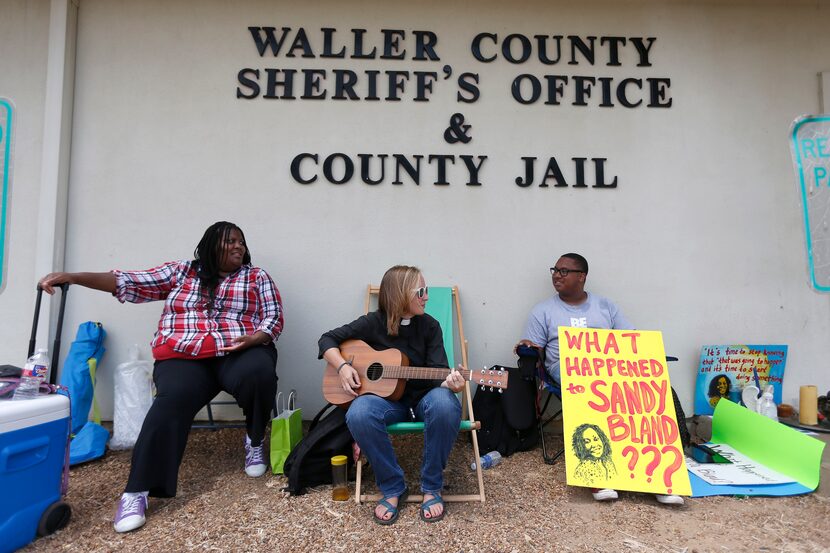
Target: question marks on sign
[[655, 461], [656, 457], [671, 469], [634, 456]]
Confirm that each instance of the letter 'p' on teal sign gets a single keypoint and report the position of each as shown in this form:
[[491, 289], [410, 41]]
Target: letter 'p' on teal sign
[[6, 127], [810, 148]]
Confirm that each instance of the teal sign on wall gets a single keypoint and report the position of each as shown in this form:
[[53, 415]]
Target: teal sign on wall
[[810, 148], [6, 127]]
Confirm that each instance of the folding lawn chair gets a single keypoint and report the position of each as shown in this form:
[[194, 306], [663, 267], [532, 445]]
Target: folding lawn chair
[[213, 424], [534, 358], [547, 384], [440, 306]]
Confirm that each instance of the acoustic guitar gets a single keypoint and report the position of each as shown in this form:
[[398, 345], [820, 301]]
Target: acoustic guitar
[[384, 373]]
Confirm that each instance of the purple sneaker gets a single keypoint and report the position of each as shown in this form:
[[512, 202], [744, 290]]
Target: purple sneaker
[[130, 513], [254, 459]]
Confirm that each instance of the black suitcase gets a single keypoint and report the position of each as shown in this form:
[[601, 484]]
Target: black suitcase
[[10, 374], [56, 345]]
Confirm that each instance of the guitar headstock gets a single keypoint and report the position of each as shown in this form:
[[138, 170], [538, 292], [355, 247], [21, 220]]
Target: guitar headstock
[[495, 378]]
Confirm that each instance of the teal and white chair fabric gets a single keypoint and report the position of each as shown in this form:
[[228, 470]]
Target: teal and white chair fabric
[[445, 306]]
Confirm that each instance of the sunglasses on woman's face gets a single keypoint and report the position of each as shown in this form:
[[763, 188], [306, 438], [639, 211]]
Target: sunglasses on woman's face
[[421, 292]]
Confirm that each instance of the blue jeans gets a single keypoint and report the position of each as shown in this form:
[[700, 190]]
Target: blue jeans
[[440, 411]]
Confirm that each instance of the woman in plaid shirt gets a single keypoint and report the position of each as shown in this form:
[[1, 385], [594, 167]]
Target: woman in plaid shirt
[[217, 330]]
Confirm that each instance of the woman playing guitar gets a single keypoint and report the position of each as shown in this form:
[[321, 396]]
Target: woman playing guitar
[[400, 323]]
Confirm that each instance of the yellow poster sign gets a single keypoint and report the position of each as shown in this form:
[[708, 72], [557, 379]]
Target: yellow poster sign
[[619, 421]]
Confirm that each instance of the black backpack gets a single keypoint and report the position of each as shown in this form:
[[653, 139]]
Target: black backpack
[[508, 419], [309, 463], [685, 437]]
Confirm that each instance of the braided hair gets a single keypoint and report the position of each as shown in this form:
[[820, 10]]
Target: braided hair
[[207, 257]]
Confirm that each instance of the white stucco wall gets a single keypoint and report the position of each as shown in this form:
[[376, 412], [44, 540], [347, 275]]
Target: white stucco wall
[[702, 239], [24, 29]]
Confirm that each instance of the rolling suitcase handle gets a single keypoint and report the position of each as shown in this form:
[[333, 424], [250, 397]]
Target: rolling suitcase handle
[[56, 347]]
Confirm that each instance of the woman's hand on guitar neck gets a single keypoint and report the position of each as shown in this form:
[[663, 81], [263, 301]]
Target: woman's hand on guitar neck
[[454, 381]]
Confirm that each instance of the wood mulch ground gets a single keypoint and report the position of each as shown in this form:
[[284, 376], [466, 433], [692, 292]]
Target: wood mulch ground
[[528, 508]]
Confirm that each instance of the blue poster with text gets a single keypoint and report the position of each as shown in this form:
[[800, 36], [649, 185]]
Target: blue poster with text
[[725, 370]]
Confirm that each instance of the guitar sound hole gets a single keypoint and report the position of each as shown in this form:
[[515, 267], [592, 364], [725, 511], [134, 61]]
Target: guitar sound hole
[[374, 371]]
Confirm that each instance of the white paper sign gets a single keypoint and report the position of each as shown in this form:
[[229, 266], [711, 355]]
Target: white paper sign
[[741, 470]]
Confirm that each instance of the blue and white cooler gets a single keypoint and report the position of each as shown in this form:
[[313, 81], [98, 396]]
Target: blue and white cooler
[[33, 441]]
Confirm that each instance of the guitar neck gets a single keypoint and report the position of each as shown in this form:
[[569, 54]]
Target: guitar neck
[[420, 373], [384, 373], [495, 378]]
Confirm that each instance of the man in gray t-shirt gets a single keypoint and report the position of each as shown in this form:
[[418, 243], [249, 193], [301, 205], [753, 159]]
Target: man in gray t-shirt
[[572, 306]]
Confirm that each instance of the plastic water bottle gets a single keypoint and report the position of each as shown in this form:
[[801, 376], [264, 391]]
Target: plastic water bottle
[[766, 406], [34, 372], [489, 460]]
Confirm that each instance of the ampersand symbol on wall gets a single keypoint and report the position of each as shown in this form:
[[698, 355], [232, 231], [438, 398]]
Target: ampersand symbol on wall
[[457, 131]]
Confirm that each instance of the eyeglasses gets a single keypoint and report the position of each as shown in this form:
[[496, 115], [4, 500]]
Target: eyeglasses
[[421, 292], [564, 272]]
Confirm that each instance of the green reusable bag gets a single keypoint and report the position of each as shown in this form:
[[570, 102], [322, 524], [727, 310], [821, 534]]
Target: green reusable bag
[[286, 431]]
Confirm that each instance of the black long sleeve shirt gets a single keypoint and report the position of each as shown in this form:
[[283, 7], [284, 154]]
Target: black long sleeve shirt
[[421, 341]]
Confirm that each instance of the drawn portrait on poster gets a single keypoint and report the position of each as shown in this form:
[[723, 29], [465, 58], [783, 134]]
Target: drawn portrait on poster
[[619, 420], [593, 449]]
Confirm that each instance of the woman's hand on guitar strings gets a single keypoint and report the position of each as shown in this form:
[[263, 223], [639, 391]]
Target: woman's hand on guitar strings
[[349, 380]]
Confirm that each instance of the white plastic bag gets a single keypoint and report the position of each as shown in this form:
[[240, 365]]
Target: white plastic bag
[[132, 400]]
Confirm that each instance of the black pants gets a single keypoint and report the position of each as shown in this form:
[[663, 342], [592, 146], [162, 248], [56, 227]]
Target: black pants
[[183, 387]]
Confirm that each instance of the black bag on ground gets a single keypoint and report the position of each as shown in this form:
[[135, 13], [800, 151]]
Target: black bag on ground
[[508, 419], [685, 437], [309, 463]]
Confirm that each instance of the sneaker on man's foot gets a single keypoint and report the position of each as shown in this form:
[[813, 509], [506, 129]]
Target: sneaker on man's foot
[[130, 512], [669, 499], [605, 494], [254, 459]]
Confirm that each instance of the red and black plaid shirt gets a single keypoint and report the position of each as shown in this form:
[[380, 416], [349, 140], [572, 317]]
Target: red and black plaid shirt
[[246, 301]]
